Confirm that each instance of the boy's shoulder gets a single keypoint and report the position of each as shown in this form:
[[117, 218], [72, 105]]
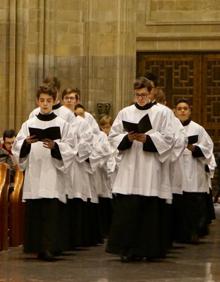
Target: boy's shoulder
[[34, 112], [195, 125]]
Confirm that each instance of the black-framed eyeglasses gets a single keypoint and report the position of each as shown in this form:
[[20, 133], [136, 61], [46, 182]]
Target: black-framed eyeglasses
[[69, 98], [142, 95]]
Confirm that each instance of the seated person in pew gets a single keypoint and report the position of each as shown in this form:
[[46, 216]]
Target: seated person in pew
[[6, 155]]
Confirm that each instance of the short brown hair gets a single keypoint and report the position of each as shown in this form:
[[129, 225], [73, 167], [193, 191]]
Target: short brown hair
[[143, 82], [160, 96], [77, 106], [152, 77], [68, 91], [47, 89], [52, 80], [105, 120]]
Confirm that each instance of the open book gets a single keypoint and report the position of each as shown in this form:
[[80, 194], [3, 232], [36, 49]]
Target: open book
[[192, 139], [52, 133], [142, 126]]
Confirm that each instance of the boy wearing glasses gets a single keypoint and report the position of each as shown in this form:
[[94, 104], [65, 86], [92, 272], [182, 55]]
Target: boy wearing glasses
[[70, 98], [144, 136]]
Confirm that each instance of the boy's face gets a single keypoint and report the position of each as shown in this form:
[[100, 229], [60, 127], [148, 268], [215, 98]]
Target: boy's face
[[143, 96], [70, 100], [182, 111], [106, 128], [45, 102], [8, 142]]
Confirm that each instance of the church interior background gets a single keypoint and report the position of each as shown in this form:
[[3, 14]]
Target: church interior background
[[99, 46]]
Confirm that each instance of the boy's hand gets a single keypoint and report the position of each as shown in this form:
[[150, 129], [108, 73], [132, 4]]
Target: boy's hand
[[31, 139], [131, 136], [140, 137], [191, 147], [48, 143]]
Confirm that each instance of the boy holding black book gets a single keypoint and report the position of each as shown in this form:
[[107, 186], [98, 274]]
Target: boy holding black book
[[44, 154], [197, 157], [144, 136]]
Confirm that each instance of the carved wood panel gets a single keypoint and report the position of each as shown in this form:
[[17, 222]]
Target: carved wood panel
[[195, 76], [211, 95]]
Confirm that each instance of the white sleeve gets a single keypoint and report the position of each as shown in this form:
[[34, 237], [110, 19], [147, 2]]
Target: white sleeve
[[163, 136], [16, 148], [117, 132], [180, 140], [34, 113], [101, 151], [206, 145], [67, 145], [84, 139]]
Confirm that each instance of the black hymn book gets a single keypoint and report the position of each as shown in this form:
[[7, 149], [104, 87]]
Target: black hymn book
[[192, 139], [142, 126], [52, 133]]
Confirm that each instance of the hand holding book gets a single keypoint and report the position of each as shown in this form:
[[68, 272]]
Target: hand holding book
[[140, 137], [48, 143]]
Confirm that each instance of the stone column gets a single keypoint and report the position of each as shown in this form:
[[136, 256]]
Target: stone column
[[126, 57], [110, 53], [13, 63], [42, 46]]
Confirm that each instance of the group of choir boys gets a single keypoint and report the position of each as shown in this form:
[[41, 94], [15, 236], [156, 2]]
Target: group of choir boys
[[141, 182]]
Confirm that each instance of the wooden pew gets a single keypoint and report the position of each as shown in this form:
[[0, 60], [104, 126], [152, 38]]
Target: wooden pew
[[4, 184], [16, 211]]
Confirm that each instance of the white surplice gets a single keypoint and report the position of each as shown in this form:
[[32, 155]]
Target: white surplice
[[140, 171], [44, 173], [195, 178], [78, 179], [92, 122], [176, 160]]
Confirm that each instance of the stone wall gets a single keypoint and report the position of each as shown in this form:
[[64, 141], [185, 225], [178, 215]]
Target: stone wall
[[13, 62], [178, 25], [92, 44]]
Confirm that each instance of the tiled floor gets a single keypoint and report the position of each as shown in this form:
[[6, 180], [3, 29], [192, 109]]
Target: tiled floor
[[186, 263]]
